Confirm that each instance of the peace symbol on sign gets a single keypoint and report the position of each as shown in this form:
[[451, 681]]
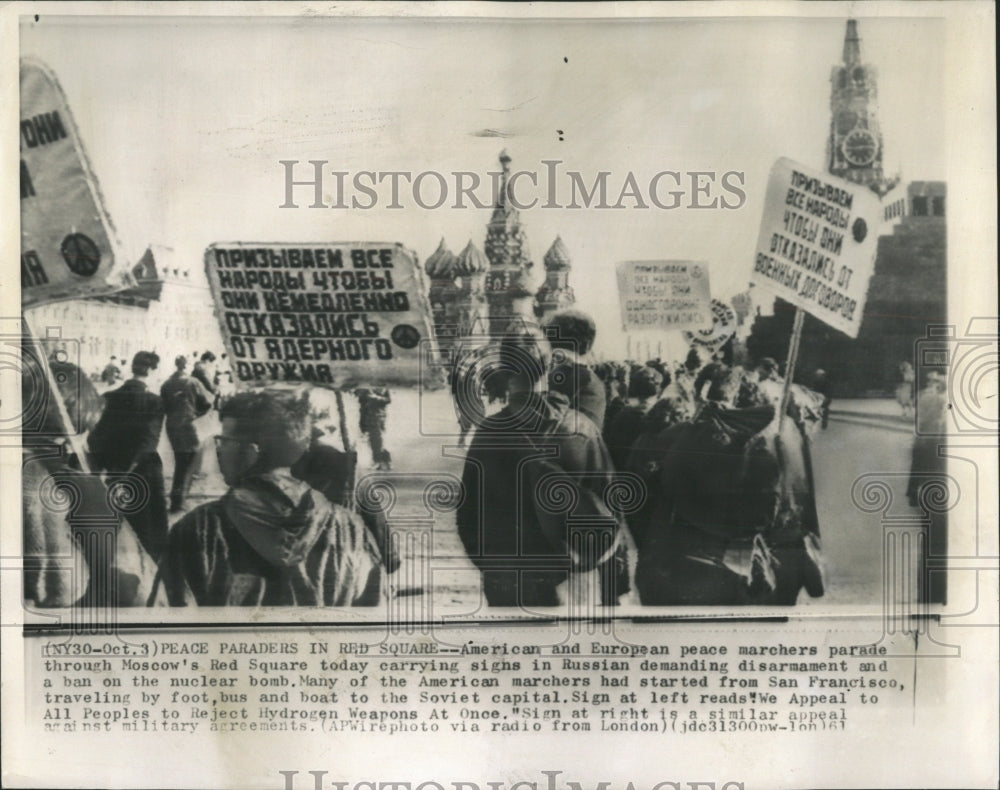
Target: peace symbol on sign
[[405, 336], [81, 254]]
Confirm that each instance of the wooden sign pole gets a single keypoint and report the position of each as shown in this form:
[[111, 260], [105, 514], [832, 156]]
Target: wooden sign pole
[[793, 353]]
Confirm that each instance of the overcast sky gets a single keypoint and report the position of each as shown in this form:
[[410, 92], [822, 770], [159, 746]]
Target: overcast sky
[[185, 121]]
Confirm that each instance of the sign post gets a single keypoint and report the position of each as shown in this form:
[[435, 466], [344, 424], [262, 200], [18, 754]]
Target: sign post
[[793, 354]]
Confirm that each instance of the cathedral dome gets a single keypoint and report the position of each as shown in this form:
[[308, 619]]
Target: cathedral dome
[[470, 261], [558, 256], [441, 264]]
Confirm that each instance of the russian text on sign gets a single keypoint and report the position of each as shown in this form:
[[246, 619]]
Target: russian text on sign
[[335, 315], [816, 247]]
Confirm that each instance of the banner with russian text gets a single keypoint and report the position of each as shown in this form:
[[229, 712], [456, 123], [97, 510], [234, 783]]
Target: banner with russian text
[[68, 244], [333, 315], [817, 243]]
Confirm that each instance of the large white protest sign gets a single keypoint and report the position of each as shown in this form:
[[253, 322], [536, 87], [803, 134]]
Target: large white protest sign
[[664, 295], [68, 244], [334, 315], [816, 247]]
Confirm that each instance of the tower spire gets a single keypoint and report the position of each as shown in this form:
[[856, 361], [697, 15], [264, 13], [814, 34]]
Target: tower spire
[[854, 147], [852, 44], [502, 209]]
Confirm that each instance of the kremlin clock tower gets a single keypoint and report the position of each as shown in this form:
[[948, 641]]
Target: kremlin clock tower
[[854, 148]]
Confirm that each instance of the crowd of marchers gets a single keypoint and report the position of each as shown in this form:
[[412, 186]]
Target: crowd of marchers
[[590, 484]]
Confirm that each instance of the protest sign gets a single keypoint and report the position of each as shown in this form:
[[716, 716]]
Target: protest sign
[[723, 327], [660, 295], [68, 244], [333, 315], [816, 247]]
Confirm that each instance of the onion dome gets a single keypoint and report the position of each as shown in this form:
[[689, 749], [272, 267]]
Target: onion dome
[[470, 261], [441, 264], [558, 256]]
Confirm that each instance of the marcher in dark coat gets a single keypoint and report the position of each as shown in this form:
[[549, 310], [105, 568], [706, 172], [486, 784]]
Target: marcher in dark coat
[[184, 400], [67, 559], [571, 334], [616, 402], [505, 531], [204, 371], [271, 540], [644, 387], [125, 440]]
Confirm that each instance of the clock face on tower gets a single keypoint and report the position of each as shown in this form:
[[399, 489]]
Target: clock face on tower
[[860, 148]]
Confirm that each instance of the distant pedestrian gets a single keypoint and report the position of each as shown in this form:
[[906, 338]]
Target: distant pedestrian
[[124, 442], [204, 371], [184, 400], [374, 402], [906, 389], [821, 384], [111, 373], [932, 424]]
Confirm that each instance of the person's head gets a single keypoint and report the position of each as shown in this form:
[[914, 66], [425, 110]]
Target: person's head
[[936, 381], [322, 414], [726, 354], [524, 358], [693, 360], [571, 330], [660, 368], [40, 413], [820, 374], [180, 363], [144, 362], [725, 385], [206, 363], [262, 430], [645, 383], [663, 414], [767, 368]]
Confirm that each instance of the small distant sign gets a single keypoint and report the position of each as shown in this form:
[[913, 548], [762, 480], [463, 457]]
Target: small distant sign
[[664, 295], [723, 327], [817, 242]]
